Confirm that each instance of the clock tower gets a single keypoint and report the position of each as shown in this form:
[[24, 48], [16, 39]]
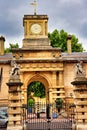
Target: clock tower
[[35, 31]]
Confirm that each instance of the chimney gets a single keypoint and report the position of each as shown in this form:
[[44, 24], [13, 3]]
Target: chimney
[[69, 46], [2, 40]]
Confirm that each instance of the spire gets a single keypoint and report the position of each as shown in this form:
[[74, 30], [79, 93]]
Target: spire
[[35, 5]]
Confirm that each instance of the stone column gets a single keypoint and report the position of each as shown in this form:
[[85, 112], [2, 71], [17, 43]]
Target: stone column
[[69, 48], [50, 100], [61, 84], [61, 81], [53, 89], [2, 40], [14, 100], [80, 100], [81, 103], [50, 95], [54, 78]]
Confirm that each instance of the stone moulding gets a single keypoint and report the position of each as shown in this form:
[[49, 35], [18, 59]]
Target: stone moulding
[[79, 81], [14, 84]]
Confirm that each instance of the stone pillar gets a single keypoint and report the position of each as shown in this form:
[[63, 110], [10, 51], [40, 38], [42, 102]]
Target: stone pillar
[[61, 84], [50, 95], [61, 81], [2, 40], [81, 103], [80, 99], [14, 100], [54, 82], [54, 78], [69, 48]]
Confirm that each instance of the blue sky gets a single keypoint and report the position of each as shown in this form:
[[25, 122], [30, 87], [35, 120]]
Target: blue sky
[[70, 15]]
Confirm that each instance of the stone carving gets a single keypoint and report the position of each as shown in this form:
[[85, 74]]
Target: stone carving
[[15, 69], [79, 70]]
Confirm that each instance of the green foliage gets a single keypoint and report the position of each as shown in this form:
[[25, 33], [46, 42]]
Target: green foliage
[[30, 102], [59, 39], [37, 88], [54, 38], [76, 47], [11, 46], [58, 101]]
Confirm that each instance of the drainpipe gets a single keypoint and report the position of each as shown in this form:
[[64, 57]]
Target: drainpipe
[[2, 40], [69, 46]]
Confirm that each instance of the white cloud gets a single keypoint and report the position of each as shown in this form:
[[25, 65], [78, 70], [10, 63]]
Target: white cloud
[[13, 41], [84, 42], [72, 1]]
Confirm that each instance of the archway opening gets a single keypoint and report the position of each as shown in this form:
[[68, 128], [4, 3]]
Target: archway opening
[[36, 94], [36, 89]]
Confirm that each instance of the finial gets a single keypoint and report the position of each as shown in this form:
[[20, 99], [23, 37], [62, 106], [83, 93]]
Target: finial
[[34, 4], [69, 37], [2, 38]]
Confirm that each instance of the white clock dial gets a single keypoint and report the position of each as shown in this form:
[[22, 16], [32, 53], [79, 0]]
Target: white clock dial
[[36, 28]]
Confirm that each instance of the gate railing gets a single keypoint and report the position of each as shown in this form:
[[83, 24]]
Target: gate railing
[[46, 115]]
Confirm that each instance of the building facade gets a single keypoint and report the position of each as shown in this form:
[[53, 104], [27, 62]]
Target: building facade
[[38, 61]]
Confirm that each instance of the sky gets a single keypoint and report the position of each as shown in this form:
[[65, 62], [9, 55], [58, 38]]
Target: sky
[[70, 15]]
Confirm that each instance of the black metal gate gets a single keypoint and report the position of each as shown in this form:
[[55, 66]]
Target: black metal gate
[[49, 117]]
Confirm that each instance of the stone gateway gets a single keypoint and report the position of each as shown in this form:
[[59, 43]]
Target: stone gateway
[[38, 61]]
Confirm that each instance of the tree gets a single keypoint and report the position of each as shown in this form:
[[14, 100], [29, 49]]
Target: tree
[[76, 47], [11, 46], [37, 88], [59, 39]]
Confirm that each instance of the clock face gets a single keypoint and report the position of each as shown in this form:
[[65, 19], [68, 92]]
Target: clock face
[[36, 28]]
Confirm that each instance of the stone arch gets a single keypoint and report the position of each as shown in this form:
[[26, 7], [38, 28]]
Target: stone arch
[[38, 77], [41, 78]]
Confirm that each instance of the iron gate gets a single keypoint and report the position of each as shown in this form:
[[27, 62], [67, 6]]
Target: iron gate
[[49, 117]]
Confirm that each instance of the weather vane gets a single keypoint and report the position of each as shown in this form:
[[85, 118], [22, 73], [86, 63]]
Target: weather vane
[[35, 5]]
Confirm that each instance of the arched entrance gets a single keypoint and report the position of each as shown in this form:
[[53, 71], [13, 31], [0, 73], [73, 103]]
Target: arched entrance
[[36, 94], [43, 82]]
